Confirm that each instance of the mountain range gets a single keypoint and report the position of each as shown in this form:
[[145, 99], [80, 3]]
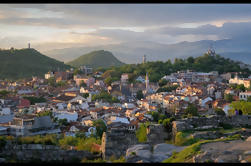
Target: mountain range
[[132, 52]]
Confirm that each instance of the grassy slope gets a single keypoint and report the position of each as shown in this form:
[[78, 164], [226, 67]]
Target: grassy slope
[[187, 154], [96, 59], [23, 63]]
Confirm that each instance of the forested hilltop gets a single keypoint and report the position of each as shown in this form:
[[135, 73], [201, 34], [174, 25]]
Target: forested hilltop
[[158, 69], [24, 63], [96, 59]]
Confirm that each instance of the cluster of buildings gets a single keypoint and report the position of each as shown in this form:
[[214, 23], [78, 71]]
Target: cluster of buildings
[[73, 102]]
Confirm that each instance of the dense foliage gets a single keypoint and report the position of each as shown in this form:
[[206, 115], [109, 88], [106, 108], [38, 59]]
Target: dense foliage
[[141, 133], [139, 95], [228, 97], [100, 127], [167, 88], [105, 96], [96, 59], [244, 106], [191, 110], [34, 100], [158, 69], [24, 63]]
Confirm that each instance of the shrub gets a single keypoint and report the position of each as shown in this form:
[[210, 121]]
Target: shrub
[[141, 133], [225, 125], [182, 139], [2, 142], [219, 111]]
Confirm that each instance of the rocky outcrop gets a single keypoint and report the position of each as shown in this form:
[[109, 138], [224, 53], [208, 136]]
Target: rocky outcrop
[[200, 123], [116, 142], [224, 152], [156, 134], [148, 154]]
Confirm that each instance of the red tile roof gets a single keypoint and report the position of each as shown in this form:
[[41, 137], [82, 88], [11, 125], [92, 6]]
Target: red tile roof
[[24, 103]]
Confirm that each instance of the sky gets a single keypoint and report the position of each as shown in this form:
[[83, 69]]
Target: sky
[[55, 26]]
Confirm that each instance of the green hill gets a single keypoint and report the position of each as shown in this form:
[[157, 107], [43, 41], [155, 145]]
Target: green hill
[[24, 63], [158, 69], [96, 59]]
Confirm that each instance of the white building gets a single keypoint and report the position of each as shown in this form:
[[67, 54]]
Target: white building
[[48, 75], [244, 95], [70, 116]]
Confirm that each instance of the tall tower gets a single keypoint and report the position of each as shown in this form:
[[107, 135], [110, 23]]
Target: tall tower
[[147, 82], [29, 45], [144, 59]]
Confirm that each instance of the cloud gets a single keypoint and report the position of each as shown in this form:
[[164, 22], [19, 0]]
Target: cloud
[[117, 15]]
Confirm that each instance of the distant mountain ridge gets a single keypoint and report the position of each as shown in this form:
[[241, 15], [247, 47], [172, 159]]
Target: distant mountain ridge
[[132, 52], [24, 63], [95, 59]]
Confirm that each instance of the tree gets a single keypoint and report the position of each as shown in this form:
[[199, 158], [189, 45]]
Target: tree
[[249, 99], [83, 84], [241, 87], [63, 122], [228, 98], [100, 127], [190, 60], [219, 111], [141, 133], [162, 82], [4, 93], [51, 81], [191, 110], [85, 95], [139, 95]]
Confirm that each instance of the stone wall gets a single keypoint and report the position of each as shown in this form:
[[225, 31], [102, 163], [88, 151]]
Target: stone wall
[[214, 121], [116, 142], [156, 134], [28, 152]]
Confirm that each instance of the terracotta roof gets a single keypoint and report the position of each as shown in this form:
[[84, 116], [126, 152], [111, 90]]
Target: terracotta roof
[[24, 103]]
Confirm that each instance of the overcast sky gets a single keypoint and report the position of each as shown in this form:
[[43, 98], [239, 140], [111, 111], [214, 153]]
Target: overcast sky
[[49, 26]]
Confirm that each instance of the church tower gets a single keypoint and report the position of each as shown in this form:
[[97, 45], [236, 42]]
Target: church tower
[[147, 82], [144, 59]]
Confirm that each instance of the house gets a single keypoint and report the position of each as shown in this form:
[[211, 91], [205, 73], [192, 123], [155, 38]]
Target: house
[[86, 79], [128, 105], [5, 111], [140, 79], [244, 81], [23, 103], [25, 125], [49, 75], [204, 101], [124, 78], [3, 130], [69, 116], [244, 95]]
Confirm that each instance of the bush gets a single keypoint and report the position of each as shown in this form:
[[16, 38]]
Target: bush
[[181, 139], [141, 133], [2, 142], [225, 125], [219, 111], [87, 144]]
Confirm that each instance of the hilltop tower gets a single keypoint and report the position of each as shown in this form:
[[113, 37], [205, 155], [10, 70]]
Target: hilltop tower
[[144, 59], [211, 51], [29, 45]]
